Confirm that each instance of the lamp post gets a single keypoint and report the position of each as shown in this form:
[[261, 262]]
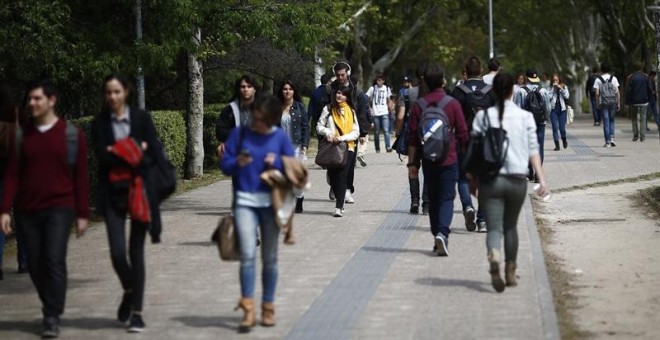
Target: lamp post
[[491, 51], [656, 14], [140, 74]]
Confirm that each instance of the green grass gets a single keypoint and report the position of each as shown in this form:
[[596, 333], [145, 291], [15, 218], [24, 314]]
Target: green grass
[[210, 176]]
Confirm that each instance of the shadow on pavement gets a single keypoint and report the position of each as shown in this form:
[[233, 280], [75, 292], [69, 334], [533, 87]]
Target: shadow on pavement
[[29, 327], [92, 324], [209, 321], [439, 282], [428, 252], [218, 212], [198, 244]]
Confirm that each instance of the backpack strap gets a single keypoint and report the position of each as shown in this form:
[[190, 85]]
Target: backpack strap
[[237, 113], [486, 89], [526, 89], [444, 101], [464, 88]]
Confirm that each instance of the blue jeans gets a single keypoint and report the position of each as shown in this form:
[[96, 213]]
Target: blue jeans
[[653, 106], [608, 112], [558, 120], [464, 192], [594, 109], [382, 124], [247, 220], [540, 138], [441, 181]]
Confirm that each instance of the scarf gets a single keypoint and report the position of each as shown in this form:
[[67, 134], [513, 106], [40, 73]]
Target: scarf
[[343, 119], [129, 151]]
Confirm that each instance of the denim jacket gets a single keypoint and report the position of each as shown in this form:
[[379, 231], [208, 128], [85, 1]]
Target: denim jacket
[[299, 125], [562, 95]]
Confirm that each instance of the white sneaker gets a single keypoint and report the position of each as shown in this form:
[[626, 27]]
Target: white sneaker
[[349, 197], [338, 212]]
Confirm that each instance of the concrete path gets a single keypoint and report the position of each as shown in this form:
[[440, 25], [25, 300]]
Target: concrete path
[[369, 275]]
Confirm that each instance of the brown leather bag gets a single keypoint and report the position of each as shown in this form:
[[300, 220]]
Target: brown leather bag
[[227, 240], [331, 155]]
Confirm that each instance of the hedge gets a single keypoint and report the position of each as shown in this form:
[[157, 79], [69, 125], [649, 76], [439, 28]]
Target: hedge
[[211, 114]]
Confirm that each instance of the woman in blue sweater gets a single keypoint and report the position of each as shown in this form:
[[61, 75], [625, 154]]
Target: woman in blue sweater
[[249, 152]]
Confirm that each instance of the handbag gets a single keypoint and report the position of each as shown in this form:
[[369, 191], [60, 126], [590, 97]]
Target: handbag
[[331, 155], [486, 152], [227, 240], [570, 114]]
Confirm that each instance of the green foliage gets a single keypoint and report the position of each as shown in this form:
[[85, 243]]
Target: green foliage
[[211, 114], [85, 124]]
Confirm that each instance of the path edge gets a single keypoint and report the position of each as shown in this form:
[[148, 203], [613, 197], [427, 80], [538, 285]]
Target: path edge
[[544, 290]]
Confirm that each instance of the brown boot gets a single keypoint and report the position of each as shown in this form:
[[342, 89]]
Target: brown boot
[[510, 273], [249, 319], [268, 314], [495, 278]]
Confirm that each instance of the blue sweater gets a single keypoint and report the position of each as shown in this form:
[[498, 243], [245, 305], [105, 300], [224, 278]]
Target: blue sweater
[[259, 146]]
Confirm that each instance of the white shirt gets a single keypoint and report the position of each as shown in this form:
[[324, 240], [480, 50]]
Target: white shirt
[[46, 127], [606, 76], [379, 96], [488, 79]]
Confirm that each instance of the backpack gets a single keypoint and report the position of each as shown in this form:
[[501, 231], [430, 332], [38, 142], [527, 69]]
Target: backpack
[[607, 92], [71, 133], [475, 101], [535, 104], [434, 130], [486, 152]]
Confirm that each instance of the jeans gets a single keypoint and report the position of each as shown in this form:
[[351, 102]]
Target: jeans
[[247, 221], [653, 106], [607, 114], [502, 200], [339, 179], [47, 237], [464, 192], [131, 270], [595, 111], [441, 182], [540, 138], [558, 120], [382, 124], [638, 120]]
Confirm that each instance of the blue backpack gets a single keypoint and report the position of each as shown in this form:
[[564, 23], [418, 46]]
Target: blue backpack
[[435, 133]]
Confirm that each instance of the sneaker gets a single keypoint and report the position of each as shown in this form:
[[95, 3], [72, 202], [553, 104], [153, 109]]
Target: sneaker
[[635, 138], [389, 150], [414, 208], [51, 328], [331, 195], [443, 245], [425, 209], [362, 161], [124, 311], [338, 213], [137, 324], [607, 145], [612, 143], [481, 227], [642, 139], [349, 197], [469, 215]]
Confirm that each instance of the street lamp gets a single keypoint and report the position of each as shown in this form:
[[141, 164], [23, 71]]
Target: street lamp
[[656, 13], [491, 51]]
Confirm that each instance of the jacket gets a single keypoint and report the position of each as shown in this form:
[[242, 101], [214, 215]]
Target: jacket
[[359, 101], [562, 95], [299, 125], [315, 107], [130, 152], [521, 96], [326, 126], [638, 89], [228, 120]]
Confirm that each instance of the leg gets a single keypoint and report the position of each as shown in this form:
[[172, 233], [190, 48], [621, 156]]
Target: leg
[[554, 120], [605, 114], [634, 117], [594, 110], [540, 134], [448, 179], [57, 229], [563, 116], [136, 254], [642, 123], [35, 236], [115, 222], [270, 233], [246, 225], [431, 178], [612, 117], [378, 122], [386, 131], [516, 192], [21, 252], [350, 176], [492, 203], [464, 191]]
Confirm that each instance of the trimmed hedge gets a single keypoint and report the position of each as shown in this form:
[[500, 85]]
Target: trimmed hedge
[[171, 129], [211, 114]]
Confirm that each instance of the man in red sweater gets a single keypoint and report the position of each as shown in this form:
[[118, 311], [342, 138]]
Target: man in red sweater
[[441, 176], [48, 194]]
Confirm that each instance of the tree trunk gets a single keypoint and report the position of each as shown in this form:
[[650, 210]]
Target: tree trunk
[[195, 135], [318, 66], [268, 86]]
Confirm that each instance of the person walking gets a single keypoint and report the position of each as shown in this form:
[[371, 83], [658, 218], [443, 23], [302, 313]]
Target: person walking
[[442, 174], [315, 106], [638, 96], [379, 94], [339, 123], [591, 94], [474, 95], [653, 104], [47, 202], [250, 151], [558, 96], [493, 67], [608, 101], [502, 198], [238, 112], [126, 145], [296, 125]]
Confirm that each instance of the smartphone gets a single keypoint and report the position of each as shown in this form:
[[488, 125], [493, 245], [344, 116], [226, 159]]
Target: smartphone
[[245, 152]]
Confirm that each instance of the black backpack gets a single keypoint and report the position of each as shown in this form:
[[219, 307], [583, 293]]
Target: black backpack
[[486, 152], [535, 104], [434, 131], [475, 101]]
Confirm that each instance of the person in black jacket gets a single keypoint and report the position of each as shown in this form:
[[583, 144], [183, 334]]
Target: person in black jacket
[[238, 112], [638, 96], [115, 123]]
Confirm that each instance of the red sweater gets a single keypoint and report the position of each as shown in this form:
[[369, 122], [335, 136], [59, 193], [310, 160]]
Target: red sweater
[[44, 180], [457, 123]]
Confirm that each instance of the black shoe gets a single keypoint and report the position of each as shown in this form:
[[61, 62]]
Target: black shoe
[[22, 268], [564, 142], [425, 209], [556, 145], [299, 205], [51, 327], [414, 208], [124, 311], [469, 215], [635, 138], [137, 324]]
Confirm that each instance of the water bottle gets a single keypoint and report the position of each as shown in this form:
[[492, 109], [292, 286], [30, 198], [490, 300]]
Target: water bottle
[[544, 198]]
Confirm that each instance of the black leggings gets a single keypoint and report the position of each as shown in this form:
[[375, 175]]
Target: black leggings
[[130, 270], [339, 179]]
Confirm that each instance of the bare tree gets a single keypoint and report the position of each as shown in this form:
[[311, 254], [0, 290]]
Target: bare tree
[[195, 145]]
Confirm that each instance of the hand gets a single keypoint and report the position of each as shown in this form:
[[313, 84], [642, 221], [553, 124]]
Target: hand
[[336, 140], [330, 138], [543, 188], [363, 140], [270, 159], [144, 146], [221, 150], [81, 227], [303, 151], [5, 223], [618, 107], [109, 148], [244, 160]]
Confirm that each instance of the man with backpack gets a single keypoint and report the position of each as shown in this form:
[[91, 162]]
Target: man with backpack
[[435, 128], [535, 99], [47, 183], [591, 93], [379, 95], [638, 97], [608, 100], [474, 95]]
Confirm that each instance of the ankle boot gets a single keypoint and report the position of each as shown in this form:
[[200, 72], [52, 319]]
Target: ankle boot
[[495, 278], [249, 318], [268, 314], [299, 205], [414, 195], [510, 273], [565, 142], [556, 145]]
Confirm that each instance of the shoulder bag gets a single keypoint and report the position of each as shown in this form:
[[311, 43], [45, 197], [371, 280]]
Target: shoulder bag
[[331, 155]]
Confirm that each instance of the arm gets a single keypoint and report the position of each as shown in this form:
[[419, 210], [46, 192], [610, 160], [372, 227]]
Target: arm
[[311, 108], [229, 162], [305, 126], [565, 93], [398, 122], [321, 125], [106, 158], [81, 175], [413, 137], [364, 119]]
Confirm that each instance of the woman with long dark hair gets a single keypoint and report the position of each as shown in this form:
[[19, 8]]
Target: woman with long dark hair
[[295, 123], [338, 123], [558, 96], [126, 143], [502, 198], [249, 152]]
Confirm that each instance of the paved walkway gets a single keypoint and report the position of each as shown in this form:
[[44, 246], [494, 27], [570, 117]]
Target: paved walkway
[[368, 275]]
